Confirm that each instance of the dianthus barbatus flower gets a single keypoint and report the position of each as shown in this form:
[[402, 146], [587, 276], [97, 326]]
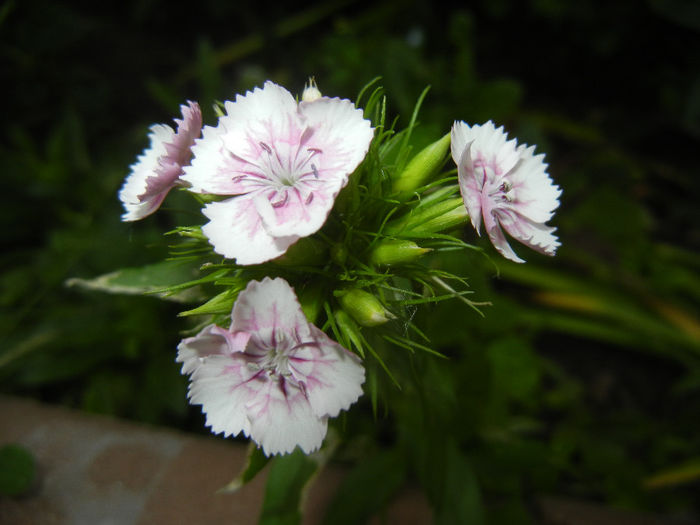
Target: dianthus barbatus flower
[[284, 161], [272, 375], [507, 185], [158, 169]]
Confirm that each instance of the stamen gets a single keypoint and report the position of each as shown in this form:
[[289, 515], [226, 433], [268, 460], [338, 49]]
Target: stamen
[[265, 147], [281, 202]]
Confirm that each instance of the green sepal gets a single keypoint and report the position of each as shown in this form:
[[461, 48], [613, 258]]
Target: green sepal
[[421, 167]]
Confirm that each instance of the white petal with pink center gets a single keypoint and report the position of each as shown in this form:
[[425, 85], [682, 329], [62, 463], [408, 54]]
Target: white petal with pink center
[[506, 186], [159, 168], [272, 375], [282, 162]]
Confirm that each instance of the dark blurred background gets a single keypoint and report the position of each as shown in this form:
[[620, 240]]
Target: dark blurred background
[[584, 377]]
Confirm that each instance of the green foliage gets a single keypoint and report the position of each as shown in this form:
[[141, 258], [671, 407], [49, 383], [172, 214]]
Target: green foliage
[[17, 470], [287, 483]]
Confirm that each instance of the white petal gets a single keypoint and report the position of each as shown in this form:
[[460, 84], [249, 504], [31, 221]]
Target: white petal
[[270, 304], [281, 418], [332, 375], [236, 232], [223, 385], [146, 166], [302, 210], [340, 132], [211, 340]]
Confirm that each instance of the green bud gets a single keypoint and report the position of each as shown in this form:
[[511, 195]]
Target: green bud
[[421, 167], [417, 220], [396, 252], [363, 307], [451, 219]]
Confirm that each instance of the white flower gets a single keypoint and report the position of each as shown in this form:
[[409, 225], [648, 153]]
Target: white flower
[[272, 375], [283, 161], [158, 169], [507, 185]]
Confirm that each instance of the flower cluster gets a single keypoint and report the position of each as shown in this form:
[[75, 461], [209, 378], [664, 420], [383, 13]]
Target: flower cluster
[[270, 172]]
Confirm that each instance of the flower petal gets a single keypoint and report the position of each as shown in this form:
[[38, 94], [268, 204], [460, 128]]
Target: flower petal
[[281, 418], [160, 167], [236, 231], [144, 168], [223, 385], [332, 376], [340, 133], [269, 305], [298, 211]]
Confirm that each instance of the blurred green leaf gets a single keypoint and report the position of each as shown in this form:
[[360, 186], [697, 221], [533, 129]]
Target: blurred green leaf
[[287, 483], [366, 489], [17, 470], [256, 460], [146, 280]]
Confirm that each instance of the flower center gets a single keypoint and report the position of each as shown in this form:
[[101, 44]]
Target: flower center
[[494, 185], [286, 169]]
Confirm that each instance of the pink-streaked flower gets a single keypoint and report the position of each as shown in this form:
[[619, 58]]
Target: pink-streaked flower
[[272, 375], [283, 162], [507, 185], [158, 169]]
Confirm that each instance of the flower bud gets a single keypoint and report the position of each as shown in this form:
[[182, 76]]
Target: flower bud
[[432, 215], [396, 252], [421, 167], [311, 91], [363, 307], [446, 221]]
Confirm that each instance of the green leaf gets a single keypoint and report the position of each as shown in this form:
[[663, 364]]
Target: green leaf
[[461, 497], [367, 489], [255, 462], [17, 470], [146, 279], [286, 485], [219, 304]]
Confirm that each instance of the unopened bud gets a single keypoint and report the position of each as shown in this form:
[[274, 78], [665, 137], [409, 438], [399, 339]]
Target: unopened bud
[[421, 167], [363, 307], [396, 252], [311, 91], [431, 218], [451, 219]]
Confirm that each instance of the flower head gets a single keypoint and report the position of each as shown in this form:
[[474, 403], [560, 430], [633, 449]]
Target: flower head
[[283, 162], [507, 185], [158, 169], [272, 375]]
